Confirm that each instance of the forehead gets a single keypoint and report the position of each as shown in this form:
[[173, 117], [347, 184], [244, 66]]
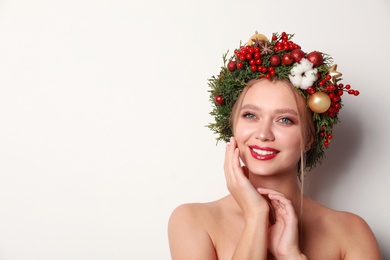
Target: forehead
[[273, 94]]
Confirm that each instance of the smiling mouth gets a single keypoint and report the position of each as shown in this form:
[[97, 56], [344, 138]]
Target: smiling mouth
[[263, 152]]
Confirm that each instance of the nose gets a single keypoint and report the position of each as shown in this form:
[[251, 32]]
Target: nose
[[265, 132]]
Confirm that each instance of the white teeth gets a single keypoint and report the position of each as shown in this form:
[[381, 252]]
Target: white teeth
[[262, 152]]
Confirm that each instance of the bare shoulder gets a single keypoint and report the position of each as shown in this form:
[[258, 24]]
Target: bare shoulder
[[360, 242], [349, 231], [199, 215], [188, 230]]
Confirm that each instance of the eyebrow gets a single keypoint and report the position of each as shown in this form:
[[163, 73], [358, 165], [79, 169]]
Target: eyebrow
[[278, 111]]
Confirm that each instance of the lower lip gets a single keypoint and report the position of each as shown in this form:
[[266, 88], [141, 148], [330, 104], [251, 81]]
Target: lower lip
[[263, 157]]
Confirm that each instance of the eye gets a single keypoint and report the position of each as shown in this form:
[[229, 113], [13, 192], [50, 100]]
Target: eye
[[286, 121], [248, 115]]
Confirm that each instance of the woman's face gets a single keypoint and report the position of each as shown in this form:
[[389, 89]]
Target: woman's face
[[267, 129]]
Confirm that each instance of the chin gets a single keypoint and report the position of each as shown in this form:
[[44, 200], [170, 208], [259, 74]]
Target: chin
[[268, 169]]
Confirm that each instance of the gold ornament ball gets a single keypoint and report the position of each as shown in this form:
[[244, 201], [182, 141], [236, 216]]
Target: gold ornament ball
[[319, 102]]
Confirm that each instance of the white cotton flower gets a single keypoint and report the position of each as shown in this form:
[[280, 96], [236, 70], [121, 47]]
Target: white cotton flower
[[306, 64], [308, 79], [295, 80], [302, 75]]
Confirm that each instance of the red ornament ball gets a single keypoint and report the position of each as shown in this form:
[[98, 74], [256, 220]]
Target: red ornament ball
[[219, 100], [297, 55], [232, 66], [315, 57], [287, 59], [274, 60]]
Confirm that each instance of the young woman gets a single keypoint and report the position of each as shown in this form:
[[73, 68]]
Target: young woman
[[276, 130]]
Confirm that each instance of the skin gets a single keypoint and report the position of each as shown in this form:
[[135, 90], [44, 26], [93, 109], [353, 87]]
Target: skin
[[259, 218]]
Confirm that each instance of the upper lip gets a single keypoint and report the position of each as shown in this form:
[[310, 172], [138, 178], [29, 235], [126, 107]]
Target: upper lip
[[264, 148]]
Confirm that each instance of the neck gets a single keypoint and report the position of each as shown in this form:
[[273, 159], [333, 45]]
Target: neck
[[287, 184]]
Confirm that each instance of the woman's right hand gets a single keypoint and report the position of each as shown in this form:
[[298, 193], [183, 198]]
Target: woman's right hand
[[250, 201]]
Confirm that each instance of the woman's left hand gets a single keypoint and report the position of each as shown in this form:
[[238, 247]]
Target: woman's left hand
[[283, 240]]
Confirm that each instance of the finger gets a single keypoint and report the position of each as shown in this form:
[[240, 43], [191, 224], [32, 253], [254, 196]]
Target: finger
[[230, 150], [264, 191], [232, 159], [228, 158], [283, 207], [236, 161], [278, 200], [232, 166]]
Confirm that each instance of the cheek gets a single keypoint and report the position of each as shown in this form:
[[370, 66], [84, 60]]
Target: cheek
[[242, 134], [291, 138], [243, 131]]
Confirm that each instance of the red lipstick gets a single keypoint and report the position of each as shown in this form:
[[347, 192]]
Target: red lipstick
[[263, 153]]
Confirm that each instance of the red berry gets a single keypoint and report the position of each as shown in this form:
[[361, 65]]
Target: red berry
[[347, 86], [326, 143], [287, 59], [232, 66], [274, 38], [356, 92], [219, 100], [274, 60], [330, 136], [310, 90], [253, 68], [240, 65], [315, 57], [257, 55]]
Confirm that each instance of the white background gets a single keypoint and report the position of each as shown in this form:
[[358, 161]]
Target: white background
[[103, 107]]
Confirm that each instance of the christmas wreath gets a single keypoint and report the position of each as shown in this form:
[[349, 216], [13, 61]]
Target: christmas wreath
[[312, 74]]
